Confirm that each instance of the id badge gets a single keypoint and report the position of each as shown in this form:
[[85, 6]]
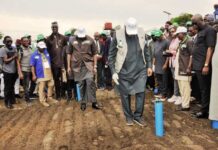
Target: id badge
[[46, 64]]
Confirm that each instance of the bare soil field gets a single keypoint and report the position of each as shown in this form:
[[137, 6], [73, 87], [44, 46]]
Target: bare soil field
[[66, 127]]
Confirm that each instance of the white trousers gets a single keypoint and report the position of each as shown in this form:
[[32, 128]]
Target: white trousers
[[185, 91]]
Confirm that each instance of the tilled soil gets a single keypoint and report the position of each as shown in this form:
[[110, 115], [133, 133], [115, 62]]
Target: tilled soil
[[66, 127]]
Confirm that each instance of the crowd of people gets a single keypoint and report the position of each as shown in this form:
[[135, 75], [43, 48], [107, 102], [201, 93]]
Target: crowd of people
[[184, 53], [133, 59]]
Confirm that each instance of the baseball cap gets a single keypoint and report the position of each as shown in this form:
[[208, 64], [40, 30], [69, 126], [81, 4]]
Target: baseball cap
[[153, 32], [131, 26], [40, 37], [188, 23], [41, 45], [81, 32], [67, 33], [158, 33], [181, 30]]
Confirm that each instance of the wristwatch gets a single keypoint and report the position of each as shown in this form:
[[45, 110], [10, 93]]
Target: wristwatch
[[205, 65]]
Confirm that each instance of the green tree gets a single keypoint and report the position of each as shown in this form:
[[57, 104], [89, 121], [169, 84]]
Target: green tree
[[73, 30], [1, 35], [182, 19]]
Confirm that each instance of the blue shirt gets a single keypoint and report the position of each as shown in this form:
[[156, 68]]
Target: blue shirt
[[36, 61]]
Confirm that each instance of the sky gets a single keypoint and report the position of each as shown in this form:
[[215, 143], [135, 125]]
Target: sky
[[20, 17]]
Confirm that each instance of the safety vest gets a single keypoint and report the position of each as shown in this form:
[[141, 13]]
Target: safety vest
[[122, 47]]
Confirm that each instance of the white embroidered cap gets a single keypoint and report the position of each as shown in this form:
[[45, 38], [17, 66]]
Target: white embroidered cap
[[181, 29], [131, 26], [81, 32], [41, 45]]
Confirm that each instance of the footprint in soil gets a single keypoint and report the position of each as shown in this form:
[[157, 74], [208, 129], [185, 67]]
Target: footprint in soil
[[48, 139], [55, 117], [177, 117], [68, 126], [187, 140], [63, 147], [158, 146], [177, 124], [118, 132], [195, 147]]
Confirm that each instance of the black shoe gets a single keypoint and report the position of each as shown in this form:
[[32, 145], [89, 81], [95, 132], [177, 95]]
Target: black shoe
[[34, 96], [69, 97], [95, 106], [201, 115], [140, 122], [129, 122], [182, 109], [18, 96], [69, 102], [58, 98], [9, 106], [83, 106], [29, 103], [1, 97]]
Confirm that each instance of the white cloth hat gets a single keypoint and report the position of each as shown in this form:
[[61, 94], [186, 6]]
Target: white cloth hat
[[41, 45], [131, 26], [181, 30], [81, 32]]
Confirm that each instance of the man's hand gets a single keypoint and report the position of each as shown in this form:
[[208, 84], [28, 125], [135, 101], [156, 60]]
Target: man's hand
[[115, 77], [21, 76], [69, 71], [164, 67], [34, 78], [95, 70], [205, 70], [188, 70], [149, 72], [15, 56]]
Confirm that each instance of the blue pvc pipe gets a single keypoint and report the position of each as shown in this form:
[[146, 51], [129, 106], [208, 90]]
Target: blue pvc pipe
[[159, 122], [215, 124], [78, 92]]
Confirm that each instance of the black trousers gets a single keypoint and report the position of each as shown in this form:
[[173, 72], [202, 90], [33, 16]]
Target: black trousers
[[204, 82], [70, 88], [139, 105], [26, 83], [100, 75], [162, 80], [108, 77], [57, 75], [9, 80], [195, 88], [151, 82], [88, 90]]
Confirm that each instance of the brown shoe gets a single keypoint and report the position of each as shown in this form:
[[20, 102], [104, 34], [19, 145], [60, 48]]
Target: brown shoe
[[45, 104]]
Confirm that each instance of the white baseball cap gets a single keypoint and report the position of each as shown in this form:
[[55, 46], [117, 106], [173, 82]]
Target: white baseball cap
[[131, 26], [81, 32], [41, 45], [181, 29]]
